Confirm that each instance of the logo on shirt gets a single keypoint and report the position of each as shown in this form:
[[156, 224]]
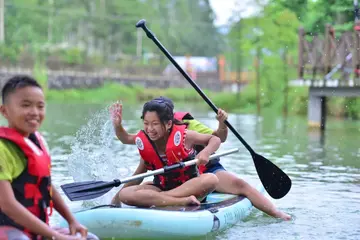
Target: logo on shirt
[[177, 138], [139, 143]]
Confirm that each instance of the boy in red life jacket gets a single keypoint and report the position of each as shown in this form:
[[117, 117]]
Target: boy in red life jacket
[[228, 182], [27, 195], [164, 142]]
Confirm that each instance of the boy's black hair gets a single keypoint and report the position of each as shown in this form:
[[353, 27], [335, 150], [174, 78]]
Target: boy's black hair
[[17, 82]]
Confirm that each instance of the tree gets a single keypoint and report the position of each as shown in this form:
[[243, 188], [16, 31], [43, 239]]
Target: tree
[[107, 27], [269, 38]]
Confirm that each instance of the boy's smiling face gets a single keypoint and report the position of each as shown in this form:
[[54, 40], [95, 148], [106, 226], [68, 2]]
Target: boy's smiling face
[[24, 109]]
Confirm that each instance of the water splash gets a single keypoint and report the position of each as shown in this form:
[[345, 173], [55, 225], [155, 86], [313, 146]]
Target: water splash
[[95, 152]]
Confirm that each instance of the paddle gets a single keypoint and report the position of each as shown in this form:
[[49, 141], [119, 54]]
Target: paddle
[[93, 189], [275, 181]]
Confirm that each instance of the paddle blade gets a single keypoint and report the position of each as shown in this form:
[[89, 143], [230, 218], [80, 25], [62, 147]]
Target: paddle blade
[[274, 180], [86, 190]]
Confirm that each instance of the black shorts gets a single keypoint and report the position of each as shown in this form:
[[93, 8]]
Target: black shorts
[[214, 168]]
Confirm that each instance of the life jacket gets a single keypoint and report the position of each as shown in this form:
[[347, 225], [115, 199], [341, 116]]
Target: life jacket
[[183, 116], [32, 188], [187, 116], [175, 152]]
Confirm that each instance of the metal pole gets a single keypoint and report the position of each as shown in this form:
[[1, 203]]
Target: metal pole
[[50, 20], [356, 10], [2, 24], [139, 43]]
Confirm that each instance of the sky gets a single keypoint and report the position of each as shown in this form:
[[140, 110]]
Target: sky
[[224, 9]]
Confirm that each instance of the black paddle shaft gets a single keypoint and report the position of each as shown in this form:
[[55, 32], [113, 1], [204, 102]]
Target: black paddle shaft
[[275, 181]]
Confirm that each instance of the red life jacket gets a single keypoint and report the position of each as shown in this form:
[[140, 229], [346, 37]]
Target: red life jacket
[[175, 152], [182, 116], [32, 188]]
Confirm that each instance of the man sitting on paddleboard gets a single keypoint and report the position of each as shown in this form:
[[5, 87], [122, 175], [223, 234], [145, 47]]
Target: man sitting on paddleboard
[[166, 141], [228, 182]]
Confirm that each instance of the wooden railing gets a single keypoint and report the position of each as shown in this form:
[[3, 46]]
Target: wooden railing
[[329, 60]]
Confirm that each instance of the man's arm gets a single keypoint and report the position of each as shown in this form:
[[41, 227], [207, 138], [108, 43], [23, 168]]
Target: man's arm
[[60, 206], [19, 214], [211, 142], [221, 131], [124, 136], [199, 127]]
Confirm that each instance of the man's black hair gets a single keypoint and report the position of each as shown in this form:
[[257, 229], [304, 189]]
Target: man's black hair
[[17, 82]]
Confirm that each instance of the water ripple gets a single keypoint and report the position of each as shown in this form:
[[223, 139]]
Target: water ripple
[[325, 195]]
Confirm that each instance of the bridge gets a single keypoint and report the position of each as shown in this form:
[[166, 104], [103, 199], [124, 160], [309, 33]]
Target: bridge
[[330, 67]]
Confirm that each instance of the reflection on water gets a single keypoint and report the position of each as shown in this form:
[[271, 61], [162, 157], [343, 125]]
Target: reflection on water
[[324, 167]]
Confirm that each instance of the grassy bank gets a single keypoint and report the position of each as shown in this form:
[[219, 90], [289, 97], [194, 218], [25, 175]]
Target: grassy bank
[[243, 102]]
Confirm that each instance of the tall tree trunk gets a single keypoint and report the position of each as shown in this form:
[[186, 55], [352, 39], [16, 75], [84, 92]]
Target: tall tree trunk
[[50, 21], [286, 88], [239, 63], [105, 40], [2, 24], [258, 56]]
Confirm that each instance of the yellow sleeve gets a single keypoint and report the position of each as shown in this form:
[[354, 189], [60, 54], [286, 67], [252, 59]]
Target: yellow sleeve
[[197, 126], [12, 160]]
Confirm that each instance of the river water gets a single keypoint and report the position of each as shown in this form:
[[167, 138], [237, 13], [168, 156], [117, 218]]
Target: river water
[[325, 168]]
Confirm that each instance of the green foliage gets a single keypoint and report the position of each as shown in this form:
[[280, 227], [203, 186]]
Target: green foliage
[[40, 74], [269, 39], [339, 13], [299, 7], [348, 107], [113, 91], [107, 28], [108, 92], [73, 56], [9, 53], [352, 107], [103, 32], [274, 31]]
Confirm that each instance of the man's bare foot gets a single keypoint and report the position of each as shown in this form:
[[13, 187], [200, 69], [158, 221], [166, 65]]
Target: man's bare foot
[[192, 200]]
